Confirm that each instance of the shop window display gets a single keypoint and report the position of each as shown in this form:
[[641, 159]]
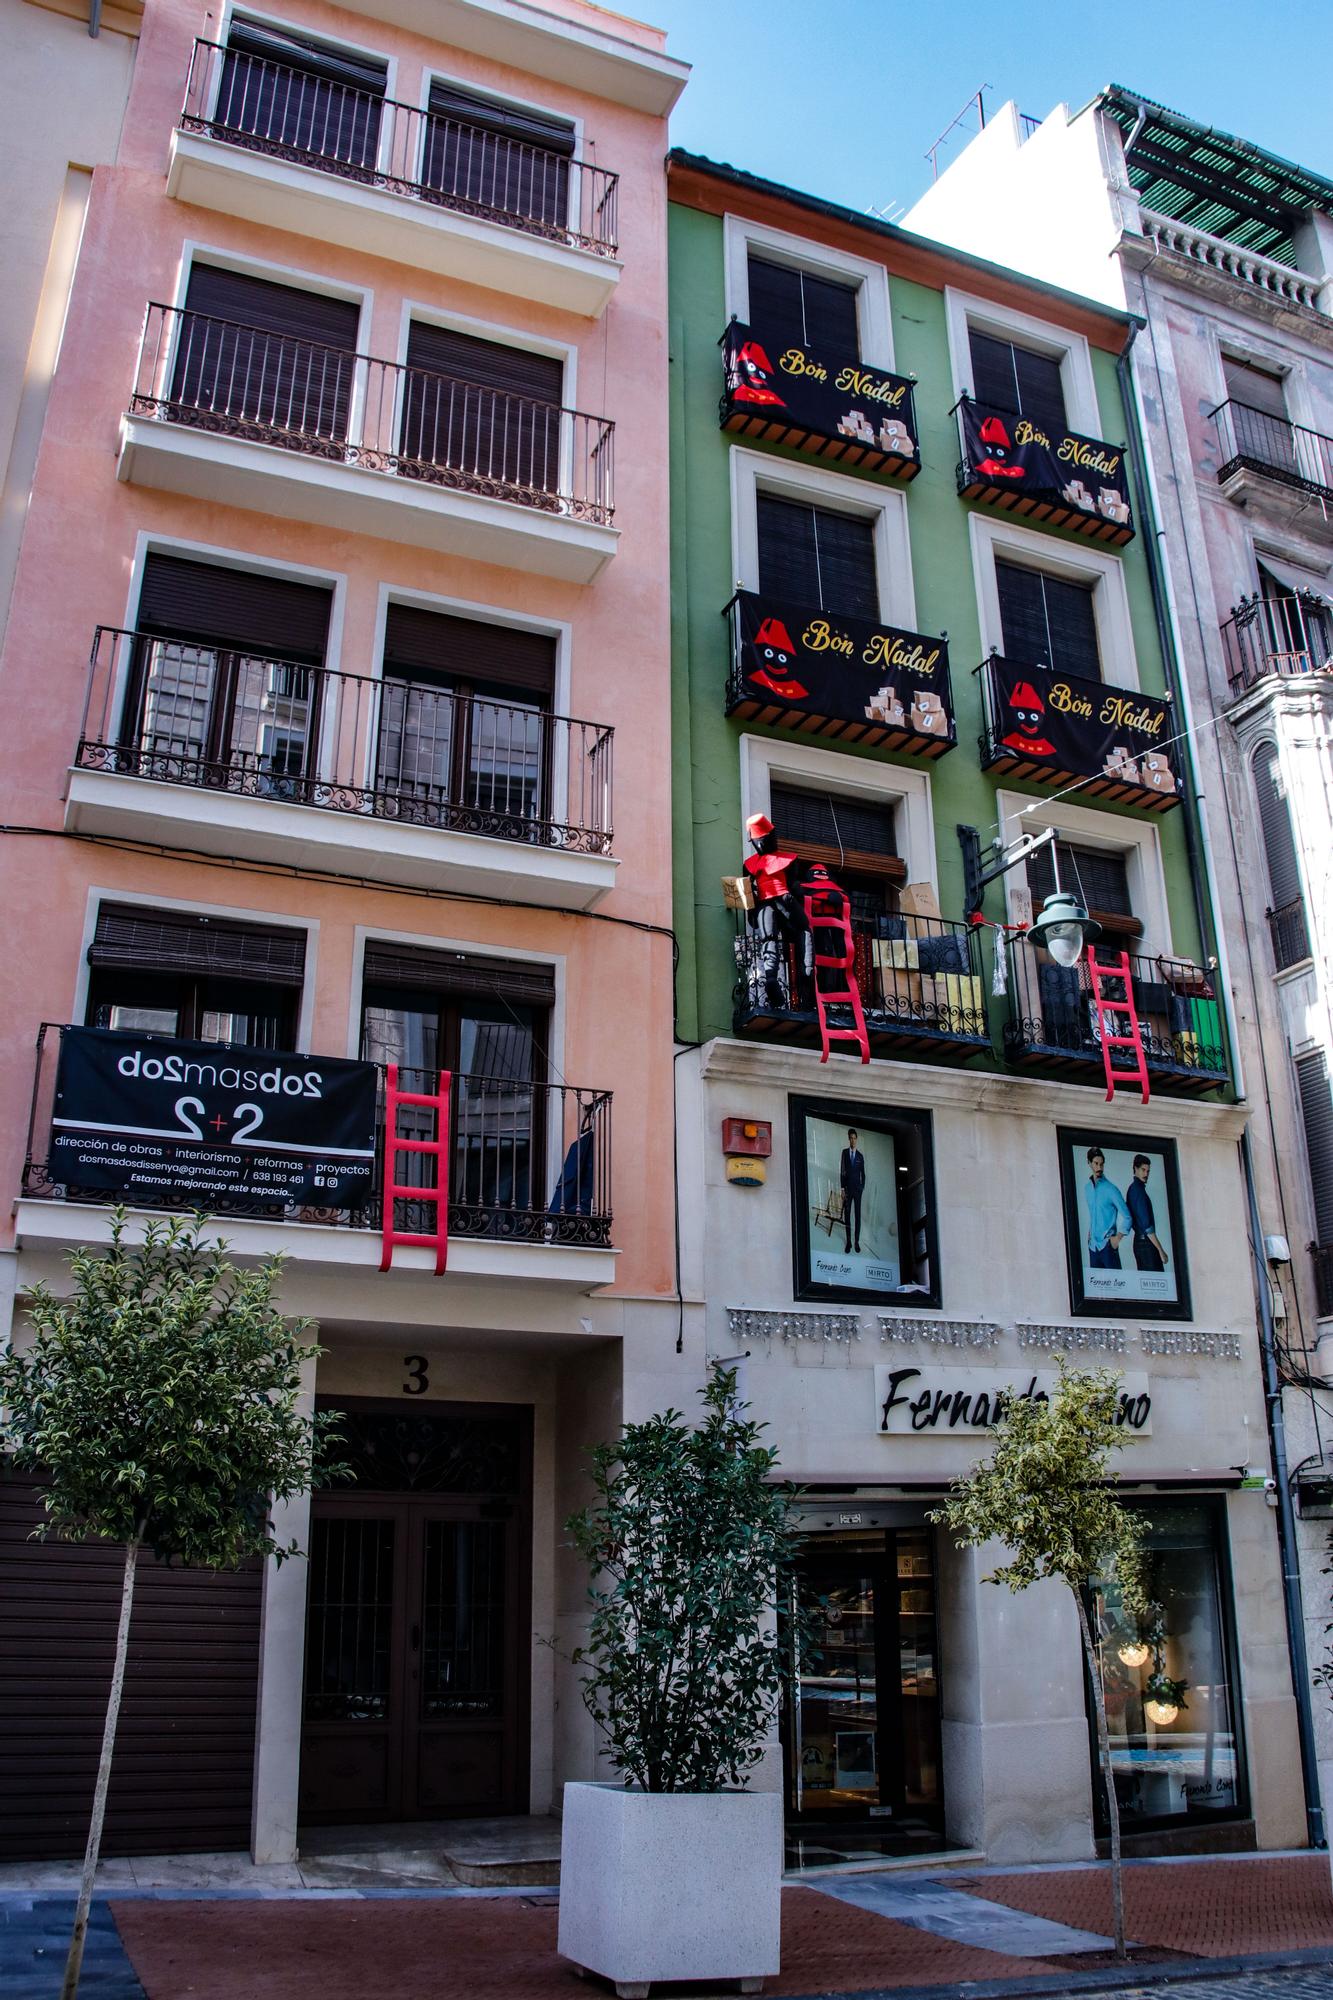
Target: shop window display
[[1171, 1695]]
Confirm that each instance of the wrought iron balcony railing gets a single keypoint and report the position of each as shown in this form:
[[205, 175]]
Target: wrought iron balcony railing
[[1052, 1021], [529, 1162], [1290, 933], [358, 135], [1055, 728], [1275, 636], [326, 402], [392, 749], [1250, 438], [919, 977]]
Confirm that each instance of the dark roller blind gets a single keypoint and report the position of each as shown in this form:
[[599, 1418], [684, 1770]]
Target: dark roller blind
[[461, 408], [506, 121], [240, 610], [457, 974], [1257, 388], [1284, 872], [1099, 873], [1047, 621], [1016, 378], [465, 649], [1317, 1117], [817, 556], [824, 819], [303, 52], [796, 308], [490, 363], [287, 90], [140, 939], [273, 308], [266, 354]]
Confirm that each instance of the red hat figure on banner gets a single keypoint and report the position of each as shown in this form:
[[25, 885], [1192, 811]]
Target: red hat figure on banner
[[997, 463], [777, 655], [1026, 734], [754, 372], [778, 918]]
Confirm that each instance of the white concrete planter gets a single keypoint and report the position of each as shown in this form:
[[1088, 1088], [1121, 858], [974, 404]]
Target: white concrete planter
[[672, 1885]]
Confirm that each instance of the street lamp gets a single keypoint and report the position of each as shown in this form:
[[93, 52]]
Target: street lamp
[[1063, 928]]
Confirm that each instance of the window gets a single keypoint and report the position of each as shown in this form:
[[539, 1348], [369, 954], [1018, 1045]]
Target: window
[[795, 308], [497, 156], [853, 838], [289, 90], [265, 354], [1317, 1117], [1016, 378], [1047, 621], [816, 555], [484, 408], [203, 978], [863, 1206], [1286, 910], [486, 1020], [461, 720], [1098, 876], [1258, 409], [222, 687], [1297, 624], [1169, 1676]]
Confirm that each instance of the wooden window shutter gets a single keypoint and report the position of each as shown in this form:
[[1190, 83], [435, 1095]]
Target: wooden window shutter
[[236, 609], [139, 939], [797, 308], [417, 641], [1284, 871], [457, 974], [1317, 1117]]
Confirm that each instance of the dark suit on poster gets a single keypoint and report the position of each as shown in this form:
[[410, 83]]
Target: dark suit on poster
[[852, 1178]]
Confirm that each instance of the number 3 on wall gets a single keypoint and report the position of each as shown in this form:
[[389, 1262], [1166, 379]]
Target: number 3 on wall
[[418, 1380]]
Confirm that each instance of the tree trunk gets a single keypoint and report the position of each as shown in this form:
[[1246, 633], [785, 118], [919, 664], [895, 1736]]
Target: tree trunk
[[1104, 1753], [74, 1962]]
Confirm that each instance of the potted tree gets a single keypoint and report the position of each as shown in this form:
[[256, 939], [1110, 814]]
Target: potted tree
[[673, 1870]]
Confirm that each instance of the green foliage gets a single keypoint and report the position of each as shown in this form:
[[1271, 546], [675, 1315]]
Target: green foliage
[[159, 1399], [1161, 1687], [1044, 1493], [690, 1552]]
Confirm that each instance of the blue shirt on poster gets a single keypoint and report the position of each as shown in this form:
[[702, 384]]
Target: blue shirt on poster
[[1107, 1214]]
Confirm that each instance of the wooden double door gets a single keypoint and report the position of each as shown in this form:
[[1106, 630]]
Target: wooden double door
[[416, 1681]]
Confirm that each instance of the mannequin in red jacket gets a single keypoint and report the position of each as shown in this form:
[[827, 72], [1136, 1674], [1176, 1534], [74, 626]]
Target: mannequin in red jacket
[[779, 916]]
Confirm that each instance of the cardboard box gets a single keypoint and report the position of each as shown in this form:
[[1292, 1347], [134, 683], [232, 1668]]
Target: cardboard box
[[894, 954], [961, 992], [918, 899], [737, 892], [928, 716]]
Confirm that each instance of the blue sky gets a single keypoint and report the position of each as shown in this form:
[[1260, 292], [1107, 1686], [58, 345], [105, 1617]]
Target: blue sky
[[841, 98]]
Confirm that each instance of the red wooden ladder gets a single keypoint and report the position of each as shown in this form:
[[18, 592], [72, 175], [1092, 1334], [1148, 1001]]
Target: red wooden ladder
[[1109, 1022], [827, 909], [394, 1144]]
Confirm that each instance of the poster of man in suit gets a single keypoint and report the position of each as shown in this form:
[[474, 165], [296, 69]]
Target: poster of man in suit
[[852, 1206], [1122, 1221]]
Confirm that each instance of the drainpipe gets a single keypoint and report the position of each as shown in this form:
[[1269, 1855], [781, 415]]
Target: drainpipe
[[1286, 1516]]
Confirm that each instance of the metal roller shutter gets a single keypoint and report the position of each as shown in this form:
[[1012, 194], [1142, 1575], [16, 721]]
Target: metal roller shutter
[[139, 940], [505, 121], [817, 556], [241, 610], [274, 355], [457, 974], [183, 1771], [1284, 871], [796, 308], [466, 649]]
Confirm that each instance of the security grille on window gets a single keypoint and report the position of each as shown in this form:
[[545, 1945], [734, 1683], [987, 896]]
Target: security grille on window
[[1018, 379], [1047, 621], [815, 555], [797, 309]]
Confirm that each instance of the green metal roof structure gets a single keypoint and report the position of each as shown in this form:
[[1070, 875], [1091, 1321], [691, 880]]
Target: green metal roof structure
[[1212, 181]]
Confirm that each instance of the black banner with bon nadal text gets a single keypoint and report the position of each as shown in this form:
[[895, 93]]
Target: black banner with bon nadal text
[[1014, 454], [190, 1123], [827, 394], [843, 669], [1069, 724]]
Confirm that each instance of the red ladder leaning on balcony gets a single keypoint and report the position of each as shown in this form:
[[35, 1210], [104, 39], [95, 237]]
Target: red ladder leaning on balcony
[[394, 1144], [1109, 1013], [827, 908]]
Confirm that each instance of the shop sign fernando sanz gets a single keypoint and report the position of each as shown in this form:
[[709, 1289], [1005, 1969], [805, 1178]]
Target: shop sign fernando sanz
[[1063, 725], [192, 1123], [860, 682], [949, 1402], [831, 404], [1071, 481]]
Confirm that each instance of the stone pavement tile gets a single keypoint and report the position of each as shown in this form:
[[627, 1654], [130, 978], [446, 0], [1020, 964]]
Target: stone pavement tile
[[1214, 1909], [968, 1919], [34, 1940], [488, 1948]]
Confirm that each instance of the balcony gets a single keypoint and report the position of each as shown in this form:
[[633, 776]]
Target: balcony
[[821, 674], [284, 426], [389, 778], [1055, 729], [529, 1178], [1269, 638], [262, 141], [831, 406], [1284, 465], [1289, 934], [919, 977], [1061, 480], [1052, 1025]]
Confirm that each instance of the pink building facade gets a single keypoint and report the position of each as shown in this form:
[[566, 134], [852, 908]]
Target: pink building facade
[[352, 489]]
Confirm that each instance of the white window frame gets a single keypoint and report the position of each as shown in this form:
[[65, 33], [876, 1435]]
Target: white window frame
[[999, 536], [562, 351], [281, 24], [964, 310], [908, 792], [196, 906], [754, 472], [873, 317], [1139, 841]]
